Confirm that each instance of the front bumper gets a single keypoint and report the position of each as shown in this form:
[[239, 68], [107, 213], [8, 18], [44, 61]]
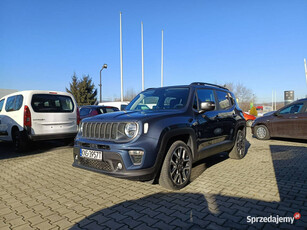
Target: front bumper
[[115, 153]]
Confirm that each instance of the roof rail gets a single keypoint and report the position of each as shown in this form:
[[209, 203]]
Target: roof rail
[[204, 83]]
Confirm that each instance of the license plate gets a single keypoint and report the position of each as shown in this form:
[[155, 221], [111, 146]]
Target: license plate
[[91, 154]]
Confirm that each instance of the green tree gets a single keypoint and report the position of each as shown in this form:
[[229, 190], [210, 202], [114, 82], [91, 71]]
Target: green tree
[[83, 90]]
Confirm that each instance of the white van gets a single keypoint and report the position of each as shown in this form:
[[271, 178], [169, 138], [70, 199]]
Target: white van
[[37, 115], [118, 104]]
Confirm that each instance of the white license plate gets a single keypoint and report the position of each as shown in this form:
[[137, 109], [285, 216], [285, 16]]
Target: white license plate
[[91, 154]]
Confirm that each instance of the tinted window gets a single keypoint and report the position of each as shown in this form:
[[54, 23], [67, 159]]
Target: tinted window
[[13, 103], [1, 104], [292, 109], [223, 99], [205, 95], [84, 111], [52, 103]]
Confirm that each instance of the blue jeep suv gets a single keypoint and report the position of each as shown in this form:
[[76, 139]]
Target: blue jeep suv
[[162, 133]]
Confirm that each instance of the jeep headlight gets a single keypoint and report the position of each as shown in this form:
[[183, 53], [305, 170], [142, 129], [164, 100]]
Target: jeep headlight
[[131, 129]]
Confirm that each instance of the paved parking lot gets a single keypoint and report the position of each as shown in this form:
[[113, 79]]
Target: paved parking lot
[[41, 190]]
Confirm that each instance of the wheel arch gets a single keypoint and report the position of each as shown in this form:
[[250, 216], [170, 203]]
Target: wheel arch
[[167, 138]]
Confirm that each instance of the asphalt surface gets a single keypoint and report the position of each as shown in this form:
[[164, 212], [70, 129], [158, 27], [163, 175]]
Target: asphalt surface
[[41, 190]]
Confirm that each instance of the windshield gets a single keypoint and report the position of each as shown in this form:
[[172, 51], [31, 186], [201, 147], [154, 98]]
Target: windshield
[[160, 99]]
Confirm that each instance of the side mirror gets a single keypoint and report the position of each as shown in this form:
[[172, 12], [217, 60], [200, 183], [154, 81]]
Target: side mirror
[[207, 106]]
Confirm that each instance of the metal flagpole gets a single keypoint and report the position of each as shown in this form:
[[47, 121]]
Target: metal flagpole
[[121, 59], [142, 34], [305, 69], [162, 61]]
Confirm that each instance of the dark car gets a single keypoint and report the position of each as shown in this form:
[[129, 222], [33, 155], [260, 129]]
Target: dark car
[[93, 110], [288, 122], [161, 133]]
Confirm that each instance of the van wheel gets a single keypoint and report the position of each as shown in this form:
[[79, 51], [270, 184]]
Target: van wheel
[[19, 141], [262, 132], [177, 166], [238, 150]]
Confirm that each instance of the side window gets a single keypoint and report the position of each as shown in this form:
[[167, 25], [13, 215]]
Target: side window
[[10, 104], [1, 104], [292, 109], [223, 99], [18, 102], [205, 95]]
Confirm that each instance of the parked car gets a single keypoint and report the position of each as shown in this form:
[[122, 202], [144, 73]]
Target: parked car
[[121, 105], [37, 115], [93, 110], [249, 119], [161, 133], [289, 122]]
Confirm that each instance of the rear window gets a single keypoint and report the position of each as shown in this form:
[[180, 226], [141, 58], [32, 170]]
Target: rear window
[[84, 111], [52, 103]]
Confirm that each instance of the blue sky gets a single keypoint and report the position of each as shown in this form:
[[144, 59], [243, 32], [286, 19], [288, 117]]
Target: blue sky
[[261, 44]]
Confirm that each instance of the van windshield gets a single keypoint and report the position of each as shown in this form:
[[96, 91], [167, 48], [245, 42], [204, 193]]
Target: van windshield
[[160, 99], [52, 103]]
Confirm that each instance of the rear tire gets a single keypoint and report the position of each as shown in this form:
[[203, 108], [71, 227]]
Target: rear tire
[[262, 132], [238, 150], [177, 166], [19, 141]]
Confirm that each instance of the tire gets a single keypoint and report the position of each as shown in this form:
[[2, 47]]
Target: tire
[[249, 123], [177, 166], [262, 132], [238, 150], [19, 141]]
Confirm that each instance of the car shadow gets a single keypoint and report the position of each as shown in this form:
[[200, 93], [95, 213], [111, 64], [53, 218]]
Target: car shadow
[[194, 210], [200, 166], [7, 148]]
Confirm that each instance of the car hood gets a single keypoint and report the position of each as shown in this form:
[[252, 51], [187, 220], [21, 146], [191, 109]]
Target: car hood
[[269, 113], [130, 115]]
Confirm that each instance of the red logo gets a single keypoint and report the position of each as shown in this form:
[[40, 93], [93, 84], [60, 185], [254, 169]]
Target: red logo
[[297, 215]]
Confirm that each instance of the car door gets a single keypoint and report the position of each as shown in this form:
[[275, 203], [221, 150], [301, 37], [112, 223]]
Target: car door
[[226, 115], [300, 120], [286, 122], [206, 124]]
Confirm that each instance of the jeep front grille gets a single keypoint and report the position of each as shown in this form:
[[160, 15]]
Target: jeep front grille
[[103, 131]]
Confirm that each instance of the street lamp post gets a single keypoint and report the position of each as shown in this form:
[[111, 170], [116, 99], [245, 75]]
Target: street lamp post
[[105, 66]]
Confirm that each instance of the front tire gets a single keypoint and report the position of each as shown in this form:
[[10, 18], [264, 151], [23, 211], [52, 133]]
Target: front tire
[[262, 132], [238, 150], [177, 166]]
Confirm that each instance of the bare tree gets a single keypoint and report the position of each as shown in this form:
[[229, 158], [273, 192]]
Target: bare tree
[[243, 94]]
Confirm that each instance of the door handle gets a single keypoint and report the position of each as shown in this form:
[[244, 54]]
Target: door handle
[[293, 117]]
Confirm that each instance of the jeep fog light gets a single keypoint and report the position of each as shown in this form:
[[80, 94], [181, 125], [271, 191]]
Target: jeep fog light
[[136, 156], [119, 166]]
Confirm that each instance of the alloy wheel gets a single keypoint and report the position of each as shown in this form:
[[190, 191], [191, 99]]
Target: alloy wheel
[[180, 165]]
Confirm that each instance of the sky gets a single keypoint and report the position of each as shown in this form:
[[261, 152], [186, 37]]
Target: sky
[[260, 44]]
